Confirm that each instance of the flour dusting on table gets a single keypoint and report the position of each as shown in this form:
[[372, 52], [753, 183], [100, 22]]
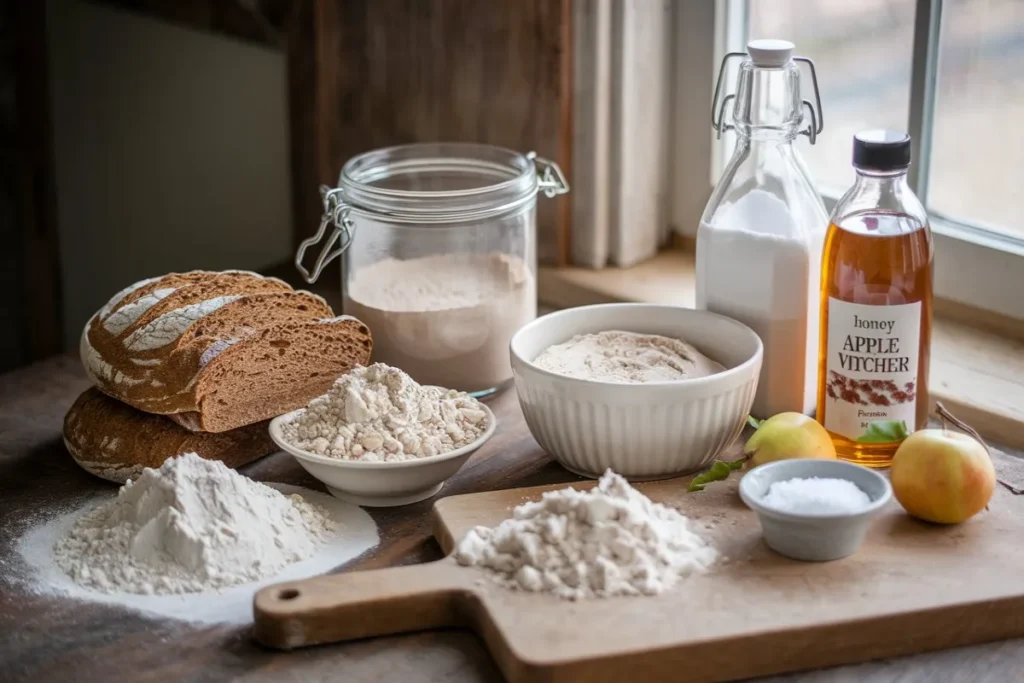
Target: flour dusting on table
[[38, 570], [190, 526]]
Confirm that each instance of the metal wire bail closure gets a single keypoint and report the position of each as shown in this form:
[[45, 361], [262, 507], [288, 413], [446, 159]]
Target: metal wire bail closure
[[718, 110], [718, 106], [550, 179], [336, 212], [817, 114]]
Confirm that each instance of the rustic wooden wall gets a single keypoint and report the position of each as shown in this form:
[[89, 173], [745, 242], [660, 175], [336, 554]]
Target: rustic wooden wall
[[371, 73], [29, 265], [397, 71], [262, 22], [362, 74], [12, 348]]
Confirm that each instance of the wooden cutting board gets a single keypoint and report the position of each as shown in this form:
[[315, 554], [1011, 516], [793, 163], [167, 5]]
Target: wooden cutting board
[[912, 587]]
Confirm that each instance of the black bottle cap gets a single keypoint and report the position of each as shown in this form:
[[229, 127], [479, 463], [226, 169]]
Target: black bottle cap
[[881, 150]]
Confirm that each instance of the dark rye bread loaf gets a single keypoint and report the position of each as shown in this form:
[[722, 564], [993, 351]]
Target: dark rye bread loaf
[[216, 351], [116, 442]]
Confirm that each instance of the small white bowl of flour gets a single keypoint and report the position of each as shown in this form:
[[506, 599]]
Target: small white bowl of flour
[[646, 390], [380, 439]]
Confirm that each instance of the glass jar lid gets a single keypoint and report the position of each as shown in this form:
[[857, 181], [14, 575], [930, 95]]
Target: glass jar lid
[[429, 184], [438, 182]]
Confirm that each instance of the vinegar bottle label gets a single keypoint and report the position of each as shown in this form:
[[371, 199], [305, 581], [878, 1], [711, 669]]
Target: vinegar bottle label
[[871, 370]]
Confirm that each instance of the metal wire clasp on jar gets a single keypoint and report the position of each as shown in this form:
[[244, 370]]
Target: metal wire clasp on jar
[[439, 245]]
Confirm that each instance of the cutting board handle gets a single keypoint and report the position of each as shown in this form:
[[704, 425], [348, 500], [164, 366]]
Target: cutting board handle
[[337, 607]]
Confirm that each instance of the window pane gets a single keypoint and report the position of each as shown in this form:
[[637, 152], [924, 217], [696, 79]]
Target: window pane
[[978, 140], [862, 51]]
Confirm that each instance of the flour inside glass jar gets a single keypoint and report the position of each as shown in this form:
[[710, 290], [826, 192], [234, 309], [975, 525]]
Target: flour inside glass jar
[[445, 319]]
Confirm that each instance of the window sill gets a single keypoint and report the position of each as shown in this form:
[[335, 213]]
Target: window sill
[[977, 366]]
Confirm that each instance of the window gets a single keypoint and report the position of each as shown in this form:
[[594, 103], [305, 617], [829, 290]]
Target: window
[[862, 52], [946, 71], [977, 141]]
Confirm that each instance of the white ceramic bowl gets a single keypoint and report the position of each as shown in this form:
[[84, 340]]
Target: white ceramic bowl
[[821, 537], [382, 484], [642, 431]]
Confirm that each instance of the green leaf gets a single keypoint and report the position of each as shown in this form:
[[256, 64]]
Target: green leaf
[[884, 431], [719, 471], [753, 421]]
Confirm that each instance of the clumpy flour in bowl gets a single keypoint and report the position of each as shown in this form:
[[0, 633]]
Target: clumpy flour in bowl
[[445, 319], [626, 358], [380, 414]]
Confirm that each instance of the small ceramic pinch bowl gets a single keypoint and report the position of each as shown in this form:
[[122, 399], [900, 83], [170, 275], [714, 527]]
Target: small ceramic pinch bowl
[[382, 484], [814, 537]]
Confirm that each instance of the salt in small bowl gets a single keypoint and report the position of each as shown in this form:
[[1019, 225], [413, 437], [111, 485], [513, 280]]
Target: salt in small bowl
[[814, 537]]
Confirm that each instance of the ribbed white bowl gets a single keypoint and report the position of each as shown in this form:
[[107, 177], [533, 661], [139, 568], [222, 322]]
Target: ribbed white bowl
[[642, 431]]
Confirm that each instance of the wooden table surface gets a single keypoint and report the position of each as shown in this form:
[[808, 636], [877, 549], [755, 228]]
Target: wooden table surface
[[45, 638]]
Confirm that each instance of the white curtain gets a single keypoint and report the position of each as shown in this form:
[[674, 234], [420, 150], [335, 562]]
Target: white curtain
[[641, 132], [621, 142]]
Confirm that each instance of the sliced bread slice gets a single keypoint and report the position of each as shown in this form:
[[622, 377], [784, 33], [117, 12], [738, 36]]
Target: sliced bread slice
[[290, 362], [156, 345]]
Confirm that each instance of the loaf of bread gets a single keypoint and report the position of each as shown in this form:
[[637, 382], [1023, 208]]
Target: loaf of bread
[[217, 351], [114, 441]]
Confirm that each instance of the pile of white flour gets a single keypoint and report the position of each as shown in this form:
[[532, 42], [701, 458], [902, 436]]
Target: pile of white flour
[[379, 413], [192, 525], [626, 358], [609, 541], [445, 319]]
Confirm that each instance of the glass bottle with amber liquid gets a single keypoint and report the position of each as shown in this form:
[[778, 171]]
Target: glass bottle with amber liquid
[[876, 307]]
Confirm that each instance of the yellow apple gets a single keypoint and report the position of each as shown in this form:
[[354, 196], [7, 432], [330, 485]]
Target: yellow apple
[[942, 476], [789, 435]]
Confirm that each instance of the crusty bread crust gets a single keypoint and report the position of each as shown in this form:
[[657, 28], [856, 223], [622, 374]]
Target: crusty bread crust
[[116, 442], [221, 349]]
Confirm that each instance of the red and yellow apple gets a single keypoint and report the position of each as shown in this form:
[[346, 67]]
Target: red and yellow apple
[[942, 476]]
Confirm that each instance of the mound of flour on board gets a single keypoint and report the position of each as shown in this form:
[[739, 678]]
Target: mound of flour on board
[[626, 358], [192, 525], [609, 541]]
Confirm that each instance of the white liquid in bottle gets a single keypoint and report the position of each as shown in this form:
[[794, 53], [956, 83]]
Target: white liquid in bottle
[[756, 266]]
